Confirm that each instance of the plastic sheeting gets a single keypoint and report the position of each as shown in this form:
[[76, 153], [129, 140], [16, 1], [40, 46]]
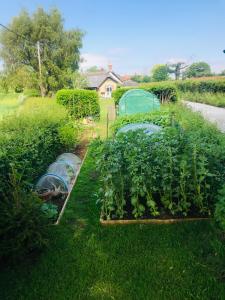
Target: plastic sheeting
[[59, 177], [137, 101], [148, 128]]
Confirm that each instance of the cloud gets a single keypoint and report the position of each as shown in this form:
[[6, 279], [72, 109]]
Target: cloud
[[92, 59]]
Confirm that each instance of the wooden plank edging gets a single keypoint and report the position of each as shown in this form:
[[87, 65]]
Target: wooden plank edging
[[150, 221], [68, 196]]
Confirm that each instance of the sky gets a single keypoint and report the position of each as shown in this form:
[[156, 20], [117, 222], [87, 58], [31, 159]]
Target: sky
[[133, 35]]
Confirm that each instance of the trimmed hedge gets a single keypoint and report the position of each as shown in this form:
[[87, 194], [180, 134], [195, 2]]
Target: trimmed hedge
[[166, 92], [80, 103]]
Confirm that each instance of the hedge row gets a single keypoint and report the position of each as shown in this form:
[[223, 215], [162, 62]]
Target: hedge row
[[201, 85], [80, 103], [166, 92]]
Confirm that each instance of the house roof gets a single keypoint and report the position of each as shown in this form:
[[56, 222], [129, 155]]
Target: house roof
[[96, 79]]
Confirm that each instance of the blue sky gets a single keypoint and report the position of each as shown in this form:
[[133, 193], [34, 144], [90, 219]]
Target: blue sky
[[134, 35]]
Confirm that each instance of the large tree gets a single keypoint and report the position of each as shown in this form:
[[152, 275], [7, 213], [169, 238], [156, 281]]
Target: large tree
[[160, 73], [198, 69], [177, 68], [59, 49]]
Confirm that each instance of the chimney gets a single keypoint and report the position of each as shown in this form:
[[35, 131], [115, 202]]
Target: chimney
[[110, 67]]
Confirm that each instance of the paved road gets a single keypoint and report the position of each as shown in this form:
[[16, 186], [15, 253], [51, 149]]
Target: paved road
[[213, 114]]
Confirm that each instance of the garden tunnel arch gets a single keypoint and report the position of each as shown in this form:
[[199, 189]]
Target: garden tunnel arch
[[138, 101]]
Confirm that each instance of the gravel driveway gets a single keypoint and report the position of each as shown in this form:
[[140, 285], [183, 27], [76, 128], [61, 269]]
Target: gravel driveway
[[213, 114]]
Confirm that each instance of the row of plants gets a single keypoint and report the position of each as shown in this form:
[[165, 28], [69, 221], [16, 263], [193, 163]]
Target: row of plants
[[165, 91], [79, 103], [176, 172], [30, 140]]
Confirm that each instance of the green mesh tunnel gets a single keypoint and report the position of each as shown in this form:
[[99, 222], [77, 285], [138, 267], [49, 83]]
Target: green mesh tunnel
[[137, 101]]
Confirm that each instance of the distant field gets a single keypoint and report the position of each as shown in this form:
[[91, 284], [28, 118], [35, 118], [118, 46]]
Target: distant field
[[9, 103]]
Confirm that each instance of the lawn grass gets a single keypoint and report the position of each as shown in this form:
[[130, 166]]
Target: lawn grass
[[87, 261]]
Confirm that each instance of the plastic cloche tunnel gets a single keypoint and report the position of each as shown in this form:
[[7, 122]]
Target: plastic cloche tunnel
[[59, 178]]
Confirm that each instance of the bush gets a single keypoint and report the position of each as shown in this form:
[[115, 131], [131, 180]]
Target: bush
[[23, 226], [80, 103], [176, 172], [166, 92]]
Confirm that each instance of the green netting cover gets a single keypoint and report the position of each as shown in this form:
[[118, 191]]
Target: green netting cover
[[137, 101]]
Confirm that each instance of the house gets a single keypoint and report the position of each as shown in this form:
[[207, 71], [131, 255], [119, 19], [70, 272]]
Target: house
[[104, 82]]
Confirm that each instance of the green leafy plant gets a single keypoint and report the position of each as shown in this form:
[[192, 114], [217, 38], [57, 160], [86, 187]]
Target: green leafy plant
[[23, 226], [50, 210], [220, 209], [176, 172]]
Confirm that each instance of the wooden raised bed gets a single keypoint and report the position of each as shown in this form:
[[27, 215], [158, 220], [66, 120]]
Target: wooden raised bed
[[150, 221]]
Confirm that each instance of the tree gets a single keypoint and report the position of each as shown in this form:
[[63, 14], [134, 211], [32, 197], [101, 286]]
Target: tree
[[59, 49], [94, 69], [79, 81], [160, 73], [198, 69], [141, 78], [176, 68]]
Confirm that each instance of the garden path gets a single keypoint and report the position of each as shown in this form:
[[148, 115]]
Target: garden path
[[211, 113]]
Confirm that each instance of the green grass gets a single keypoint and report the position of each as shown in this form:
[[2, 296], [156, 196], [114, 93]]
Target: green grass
[[8, 103], [101, 125], [214, 99], [87, 261]]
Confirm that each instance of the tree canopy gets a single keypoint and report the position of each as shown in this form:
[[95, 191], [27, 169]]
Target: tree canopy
[[198, 69], [59, 48], [160, 72]]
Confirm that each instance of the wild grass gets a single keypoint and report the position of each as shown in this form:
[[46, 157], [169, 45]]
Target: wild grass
[[8, 103], [214, 99]]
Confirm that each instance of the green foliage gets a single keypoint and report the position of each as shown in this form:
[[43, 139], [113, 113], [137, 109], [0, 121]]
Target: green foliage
[[80, 103], [177, 171], [202, 85], [220, 209], [215, 99], [69, 134], [141, 78], [161, 118], [23, 226], [160, 73], [32, 92], [166, 92], [198, 69], [50, 211], [32, 139], [79, 81], [59, 48]]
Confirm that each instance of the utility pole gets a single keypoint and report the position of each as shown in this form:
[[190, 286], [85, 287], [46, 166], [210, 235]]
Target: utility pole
[[40, 71]]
